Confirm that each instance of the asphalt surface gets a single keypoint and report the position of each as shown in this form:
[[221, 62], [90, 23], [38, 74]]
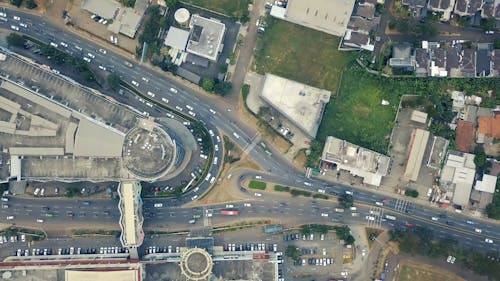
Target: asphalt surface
[[280, 171]]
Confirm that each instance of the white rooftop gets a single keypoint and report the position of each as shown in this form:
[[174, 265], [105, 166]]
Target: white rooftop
[[206, 36], [487, 184], [329, 16], [109, 143], [177, 38], [102, 275], [359, 161], [301, 104], [459, 172]]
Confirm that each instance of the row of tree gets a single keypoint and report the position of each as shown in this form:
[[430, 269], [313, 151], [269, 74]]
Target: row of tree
[[421, 242], [216, 86]]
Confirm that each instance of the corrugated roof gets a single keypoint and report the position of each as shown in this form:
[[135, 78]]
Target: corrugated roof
[[487, 184], [418, 143], [489, 126]]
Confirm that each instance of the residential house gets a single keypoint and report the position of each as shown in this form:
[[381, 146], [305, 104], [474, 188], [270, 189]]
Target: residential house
[[438, 62], [488, 128], [483, 63], [356, 41], [467, 7], [468, 63], [496, 62], [415, 6], [457, 176], [421, 62], [453, 61], [442, 6], [402, 57]]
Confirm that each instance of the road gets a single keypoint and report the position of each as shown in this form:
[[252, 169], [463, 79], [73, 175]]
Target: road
[[224, 120]]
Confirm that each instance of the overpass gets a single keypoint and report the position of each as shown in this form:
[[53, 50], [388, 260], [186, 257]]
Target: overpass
[[131, 218]]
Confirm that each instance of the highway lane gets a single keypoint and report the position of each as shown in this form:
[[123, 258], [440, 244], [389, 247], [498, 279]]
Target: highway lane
[[223, 120]]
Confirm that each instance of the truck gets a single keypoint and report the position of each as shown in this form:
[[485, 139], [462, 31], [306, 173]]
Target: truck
[[229, 212], [389, 217], [127, 63]]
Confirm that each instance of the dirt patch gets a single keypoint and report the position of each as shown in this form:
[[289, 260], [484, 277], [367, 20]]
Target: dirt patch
[[412, 271], [300, 158]]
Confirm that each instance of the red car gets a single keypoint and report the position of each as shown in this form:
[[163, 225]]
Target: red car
[[385, 201], [409, 224]]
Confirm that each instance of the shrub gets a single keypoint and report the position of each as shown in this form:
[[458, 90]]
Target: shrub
[[320, 196], [281, 188], [296, 192], [257, 185]]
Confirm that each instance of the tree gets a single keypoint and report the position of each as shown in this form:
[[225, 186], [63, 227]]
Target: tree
[[16, 3], [30, 4], [171, 3], [208, 84], [411, 192], [346, 200], [488, 24], [15, 40], [222, 68], [223, 88], [292, 252], [496, 44], [305, 230], [113, 81], [480, 159], [128, 3]]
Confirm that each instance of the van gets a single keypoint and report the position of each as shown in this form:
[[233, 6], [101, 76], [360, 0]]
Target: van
[[208, 177], [215, 160], [5, 199]]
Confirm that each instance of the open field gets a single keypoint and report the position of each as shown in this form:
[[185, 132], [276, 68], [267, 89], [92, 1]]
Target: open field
[[301, 54], [232, 8], [410, 271]]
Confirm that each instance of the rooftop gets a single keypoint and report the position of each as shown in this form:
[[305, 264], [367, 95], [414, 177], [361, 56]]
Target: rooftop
[[102, 275], [206, 36], [301, 104], [465, 136], [417, 146], [458, 173], [108, 144], [329, 16], [487, 184], [359, 161], [177, 38], [489, 126], [131, 218], [483, 63]]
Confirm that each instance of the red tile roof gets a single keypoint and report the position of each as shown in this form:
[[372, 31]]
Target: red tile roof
[[465, 136], [489, 126]]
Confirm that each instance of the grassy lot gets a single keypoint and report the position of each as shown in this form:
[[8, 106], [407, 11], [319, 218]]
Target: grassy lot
[[301, 54], [413, 272], [232, 8], [357, 115], [257, 185]]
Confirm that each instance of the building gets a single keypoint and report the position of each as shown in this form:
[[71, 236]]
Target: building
[[415, 6], [402, 57], [464, 136], [418, 116], [205, 37], [177, 38], [131, 218], [457, 176], [356, 41], [467, 7], [417, 147], [329, 16], [483, 63], [303, 105], [486, 184], [102, 275], [488, 128], [358, 161], [443, 6], [125, 20]]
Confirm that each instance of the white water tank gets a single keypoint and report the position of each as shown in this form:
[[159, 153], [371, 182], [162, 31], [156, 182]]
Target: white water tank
[[182, 16]]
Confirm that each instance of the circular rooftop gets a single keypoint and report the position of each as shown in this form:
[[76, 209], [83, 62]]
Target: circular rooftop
[[182, 16], [196, 264], [148, 153]]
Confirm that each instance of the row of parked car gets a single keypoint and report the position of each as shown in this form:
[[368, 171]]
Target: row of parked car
[[70, 251], [313, 261], [296, 236], [12, 239], [251, 247], [169, 249]]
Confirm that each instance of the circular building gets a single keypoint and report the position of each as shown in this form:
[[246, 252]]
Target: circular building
[[182, 16], [196, 264], [148, 152]]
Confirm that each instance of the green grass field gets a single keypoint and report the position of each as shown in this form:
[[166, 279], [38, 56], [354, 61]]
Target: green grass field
[[232, 8], [257, 185], [357, 114], [301, 54]]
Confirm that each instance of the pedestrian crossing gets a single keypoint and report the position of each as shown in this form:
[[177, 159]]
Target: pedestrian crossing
[[375, 217], [403, 206]]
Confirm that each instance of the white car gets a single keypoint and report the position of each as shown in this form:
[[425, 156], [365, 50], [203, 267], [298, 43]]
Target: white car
[[194, 197], [379, 203], [216, 147], [324, 214], [192, 113], [370, 218], [478, 230], [16, 18], [145, 79], [102, 67], [258, 194], [229, 206], [151, 94], [173, 90], [321, 191], [135, 83], [170, 115], [23, 25], [489, 241], [102, 51], [178, 108], [64, 44], [3, 15], [258, 177], [10, 217], [307, 183], [158, 205], [14, 27], [164, 100], [91, 55], [434, 218], [189, 107], [39, 220], [247, 205], [212, 111], [211, 133], [87, 59]]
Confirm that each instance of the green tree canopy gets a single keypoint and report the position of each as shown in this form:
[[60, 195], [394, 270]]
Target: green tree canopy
[[113, 81], [292, 252], [208, 84], [15, 40]]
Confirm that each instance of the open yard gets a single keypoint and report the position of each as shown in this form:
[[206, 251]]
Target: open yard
[[233, 8], [422, 272], [301, 54]]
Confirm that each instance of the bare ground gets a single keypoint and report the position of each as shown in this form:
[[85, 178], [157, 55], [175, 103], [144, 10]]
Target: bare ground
[[410, 270]]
